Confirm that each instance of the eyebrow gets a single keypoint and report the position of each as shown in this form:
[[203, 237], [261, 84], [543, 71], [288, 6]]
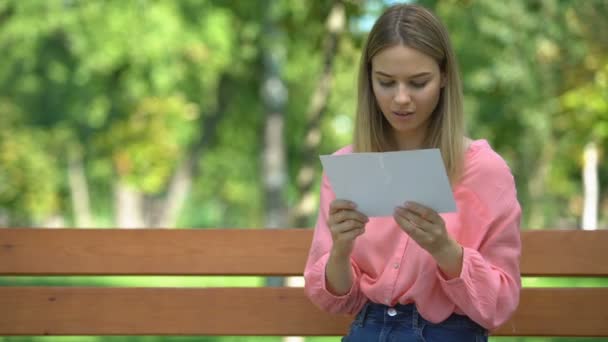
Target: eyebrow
[[424, 73]]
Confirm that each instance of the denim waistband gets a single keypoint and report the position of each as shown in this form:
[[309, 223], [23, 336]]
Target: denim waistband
[[408, 313]]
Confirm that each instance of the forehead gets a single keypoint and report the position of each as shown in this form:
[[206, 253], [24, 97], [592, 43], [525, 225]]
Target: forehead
[[400, 60]]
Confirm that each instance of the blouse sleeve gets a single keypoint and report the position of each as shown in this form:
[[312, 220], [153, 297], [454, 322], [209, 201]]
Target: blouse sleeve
[[314, 273], [488, 287]]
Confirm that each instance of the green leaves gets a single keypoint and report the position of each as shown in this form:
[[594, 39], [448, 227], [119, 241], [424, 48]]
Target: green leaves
[[29, 174], [146, 145], [137, 90]]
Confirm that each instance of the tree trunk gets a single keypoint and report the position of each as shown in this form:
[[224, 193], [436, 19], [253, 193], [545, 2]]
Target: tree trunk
[[274, 171], [163, 213], [128, 204], [53, 221], [166, 211], [536, 185], [4, 218], [305, 208], [590, 186], [79, 191], [274, 94]]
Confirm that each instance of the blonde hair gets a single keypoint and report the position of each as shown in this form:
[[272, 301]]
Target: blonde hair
[[415, 27]]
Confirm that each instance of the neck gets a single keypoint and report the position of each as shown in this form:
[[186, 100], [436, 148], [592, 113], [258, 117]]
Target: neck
[[410, 140]]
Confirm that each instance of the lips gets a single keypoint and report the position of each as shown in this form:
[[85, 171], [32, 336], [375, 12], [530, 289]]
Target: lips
[[403, 114]]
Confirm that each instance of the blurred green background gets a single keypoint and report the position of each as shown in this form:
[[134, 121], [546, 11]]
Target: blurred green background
[[212, 113]]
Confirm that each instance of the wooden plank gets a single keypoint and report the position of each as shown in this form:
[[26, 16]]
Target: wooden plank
[[153, 251], [156, 311], [242, 252], [564, 253], [252, 311], [560, 312]]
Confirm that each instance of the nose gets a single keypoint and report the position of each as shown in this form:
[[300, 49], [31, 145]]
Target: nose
[[402, 96]]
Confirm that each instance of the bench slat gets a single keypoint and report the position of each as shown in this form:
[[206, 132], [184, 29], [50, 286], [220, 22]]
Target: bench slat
[[258, 311], [241, 252], [564, 253], [153, 251]]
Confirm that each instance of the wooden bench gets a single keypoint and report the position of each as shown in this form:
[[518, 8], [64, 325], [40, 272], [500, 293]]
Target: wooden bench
[[47, 310]]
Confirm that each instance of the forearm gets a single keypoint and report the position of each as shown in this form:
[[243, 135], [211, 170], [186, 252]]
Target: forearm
[[338, 274], [487, 292]]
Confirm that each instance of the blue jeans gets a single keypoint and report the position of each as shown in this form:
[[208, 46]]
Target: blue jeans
[[380, 323]]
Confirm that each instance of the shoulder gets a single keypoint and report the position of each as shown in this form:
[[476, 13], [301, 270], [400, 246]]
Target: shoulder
[[482, 161], [486, 172], [348, 149], [344, 150]]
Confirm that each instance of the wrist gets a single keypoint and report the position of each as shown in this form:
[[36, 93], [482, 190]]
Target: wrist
[[449, 258], [339, 255], [447, 250], [338, 275]]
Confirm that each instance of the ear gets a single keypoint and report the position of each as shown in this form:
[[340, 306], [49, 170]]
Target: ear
[[444, 80]]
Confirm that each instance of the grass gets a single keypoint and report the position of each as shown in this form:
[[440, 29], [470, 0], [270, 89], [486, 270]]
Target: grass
[[134, 281]]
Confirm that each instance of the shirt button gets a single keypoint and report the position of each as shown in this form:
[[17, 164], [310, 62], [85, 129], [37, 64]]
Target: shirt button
[[391, 312], [395, 265]]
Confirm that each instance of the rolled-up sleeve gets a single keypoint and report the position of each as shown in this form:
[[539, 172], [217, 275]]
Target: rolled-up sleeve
[[314, 273], [489, 285]]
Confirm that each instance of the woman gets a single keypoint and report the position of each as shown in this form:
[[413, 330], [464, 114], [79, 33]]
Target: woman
[[418, 275]]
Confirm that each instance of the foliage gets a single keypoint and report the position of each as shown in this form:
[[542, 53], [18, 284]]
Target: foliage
[[133, 89]]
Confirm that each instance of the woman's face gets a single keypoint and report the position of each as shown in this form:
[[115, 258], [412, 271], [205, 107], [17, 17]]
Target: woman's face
[[406, 84]]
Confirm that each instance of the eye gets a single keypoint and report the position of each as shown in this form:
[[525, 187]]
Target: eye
[[418, 84], [385, 83]]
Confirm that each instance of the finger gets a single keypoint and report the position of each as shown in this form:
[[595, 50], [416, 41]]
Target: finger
[[408, 227], [348, 214], [415, 219], [347, 226], [401, 218], [422, 211], [340, 204], [352, 234]]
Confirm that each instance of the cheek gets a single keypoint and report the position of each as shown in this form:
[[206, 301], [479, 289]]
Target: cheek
[[429, 97], [383, 96]]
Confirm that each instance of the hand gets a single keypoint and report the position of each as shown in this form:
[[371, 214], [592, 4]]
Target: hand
[[427, 228], [423, 225], [345, 224]]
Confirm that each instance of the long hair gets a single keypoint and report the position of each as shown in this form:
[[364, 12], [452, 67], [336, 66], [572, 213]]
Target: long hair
[[415, 27]]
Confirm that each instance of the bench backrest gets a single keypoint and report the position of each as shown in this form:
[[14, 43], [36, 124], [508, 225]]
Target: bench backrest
[[42, 310]]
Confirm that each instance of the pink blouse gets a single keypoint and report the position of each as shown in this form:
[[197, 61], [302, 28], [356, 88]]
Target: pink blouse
[[389, 268]]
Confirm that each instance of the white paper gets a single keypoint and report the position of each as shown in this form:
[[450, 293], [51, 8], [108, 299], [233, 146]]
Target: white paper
[[379, 182]]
